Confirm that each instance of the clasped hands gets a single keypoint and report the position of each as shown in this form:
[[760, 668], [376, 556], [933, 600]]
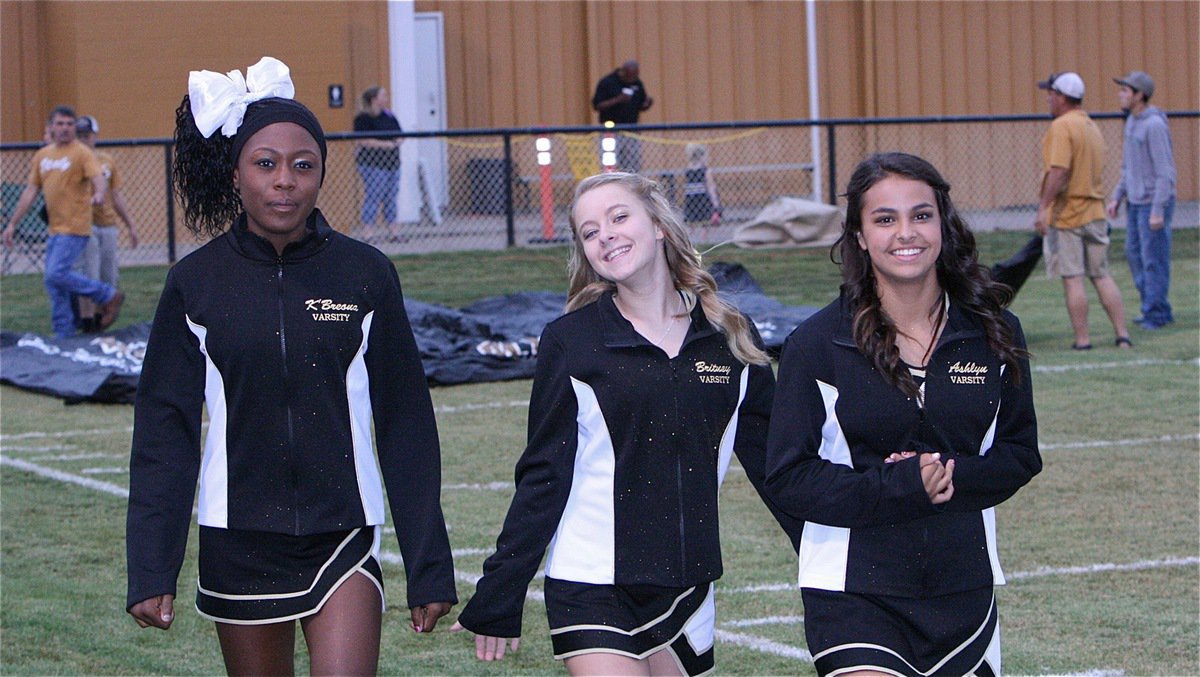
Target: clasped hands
[[938, 477]]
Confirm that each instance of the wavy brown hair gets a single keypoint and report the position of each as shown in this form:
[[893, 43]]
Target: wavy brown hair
[[959, 273], [687, 274]]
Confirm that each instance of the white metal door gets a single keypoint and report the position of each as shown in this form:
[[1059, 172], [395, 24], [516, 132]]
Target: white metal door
[[431, 105]]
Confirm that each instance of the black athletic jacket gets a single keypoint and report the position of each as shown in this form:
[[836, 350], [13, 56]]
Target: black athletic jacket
[[296, 356], [871, 527], [627, 449]]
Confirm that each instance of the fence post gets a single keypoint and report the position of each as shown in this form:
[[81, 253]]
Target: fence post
[[832, 176], [508, 191], [167, 156]]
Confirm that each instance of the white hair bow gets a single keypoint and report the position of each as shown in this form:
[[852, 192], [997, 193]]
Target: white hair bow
[[219, 101]]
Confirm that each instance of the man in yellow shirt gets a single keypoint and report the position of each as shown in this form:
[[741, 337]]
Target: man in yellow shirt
[[69, 175], [1071, 213]]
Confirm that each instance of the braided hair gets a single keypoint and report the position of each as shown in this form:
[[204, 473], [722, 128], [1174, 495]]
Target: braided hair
[[203, 175]]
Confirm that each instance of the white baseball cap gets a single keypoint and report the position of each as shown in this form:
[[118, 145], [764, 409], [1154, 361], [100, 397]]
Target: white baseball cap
[[1067, 84]]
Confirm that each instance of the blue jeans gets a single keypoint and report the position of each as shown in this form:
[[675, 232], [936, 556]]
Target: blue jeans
[[61, 282], [1149, 255], [380, 186]]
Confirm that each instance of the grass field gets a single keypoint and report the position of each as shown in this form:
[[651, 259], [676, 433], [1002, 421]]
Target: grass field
[[1101, 549]]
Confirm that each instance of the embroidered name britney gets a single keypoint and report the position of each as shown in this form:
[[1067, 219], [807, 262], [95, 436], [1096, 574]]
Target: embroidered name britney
[[326, 305], [713, 373], [969, 373]]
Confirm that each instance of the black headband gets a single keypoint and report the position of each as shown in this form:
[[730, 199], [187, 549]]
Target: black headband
[[269, 111]]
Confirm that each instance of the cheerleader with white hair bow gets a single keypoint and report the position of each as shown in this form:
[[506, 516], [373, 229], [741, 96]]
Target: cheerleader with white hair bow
[[295, 339]]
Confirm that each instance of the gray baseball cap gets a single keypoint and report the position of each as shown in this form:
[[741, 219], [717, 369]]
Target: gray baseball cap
[[1139, 81]]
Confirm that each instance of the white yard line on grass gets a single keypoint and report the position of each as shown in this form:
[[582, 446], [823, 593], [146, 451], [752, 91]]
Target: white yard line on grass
[[1145, 362], [40, 434], [1041, 572], [764, 645], [69, 457], [477, 486], [41, 448], [53, 474], [1118, 443], [454, 409], [766, 620]]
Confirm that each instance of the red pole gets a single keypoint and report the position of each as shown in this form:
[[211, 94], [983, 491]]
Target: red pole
[[547, 203], [544, 159]]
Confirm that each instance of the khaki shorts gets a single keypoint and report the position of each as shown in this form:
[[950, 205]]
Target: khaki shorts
[[1071, 252]]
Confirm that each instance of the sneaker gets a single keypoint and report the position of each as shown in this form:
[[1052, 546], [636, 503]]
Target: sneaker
[[109, 311]]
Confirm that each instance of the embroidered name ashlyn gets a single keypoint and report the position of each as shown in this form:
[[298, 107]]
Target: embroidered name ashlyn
[[969, 373]]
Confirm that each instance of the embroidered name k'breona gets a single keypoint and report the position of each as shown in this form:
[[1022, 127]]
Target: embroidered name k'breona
[[328, 310]]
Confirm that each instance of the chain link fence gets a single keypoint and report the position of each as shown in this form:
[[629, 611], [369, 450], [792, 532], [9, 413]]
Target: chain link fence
[[493, 189]]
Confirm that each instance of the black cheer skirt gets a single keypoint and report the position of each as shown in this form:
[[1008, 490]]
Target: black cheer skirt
[[633, 620], [254, 577], [955, 634]]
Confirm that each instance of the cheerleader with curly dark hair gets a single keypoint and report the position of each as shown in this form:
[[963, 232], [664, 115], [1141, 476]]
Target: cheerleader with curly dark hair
[[903, 416], [295, 339]]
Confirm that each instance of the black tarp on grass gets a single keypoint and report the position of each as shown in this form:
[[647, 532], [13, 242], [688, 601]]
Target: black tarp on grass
[[494, 339], [95, 368]]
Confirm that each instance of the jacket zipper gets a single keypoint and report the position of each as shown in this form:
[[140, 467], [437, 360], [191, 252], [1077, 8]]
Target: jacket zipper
[[679, 475], [288, 405]]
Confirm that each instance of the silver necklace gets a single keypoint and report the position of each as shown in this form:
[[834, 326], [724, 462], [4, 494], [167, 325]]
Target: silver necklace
[[671, 324]]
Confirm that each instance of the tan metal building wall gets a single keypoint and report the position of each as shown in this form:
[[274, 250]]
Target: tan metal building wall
[[127, 62], [516, 63]]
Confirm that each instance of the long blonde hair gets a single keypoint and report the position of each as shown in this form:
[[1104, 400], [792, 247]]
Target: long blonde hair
[[688, 276]]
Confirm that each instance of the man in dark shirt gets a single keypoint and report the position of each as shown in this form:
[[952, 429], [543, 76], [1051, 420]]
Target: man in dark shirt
[[620, 98]]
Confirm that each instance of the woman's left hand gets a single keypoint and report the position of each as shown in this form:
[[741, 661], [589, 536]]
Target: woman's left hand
[[938, 477], [425, 617], [488, 648]]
